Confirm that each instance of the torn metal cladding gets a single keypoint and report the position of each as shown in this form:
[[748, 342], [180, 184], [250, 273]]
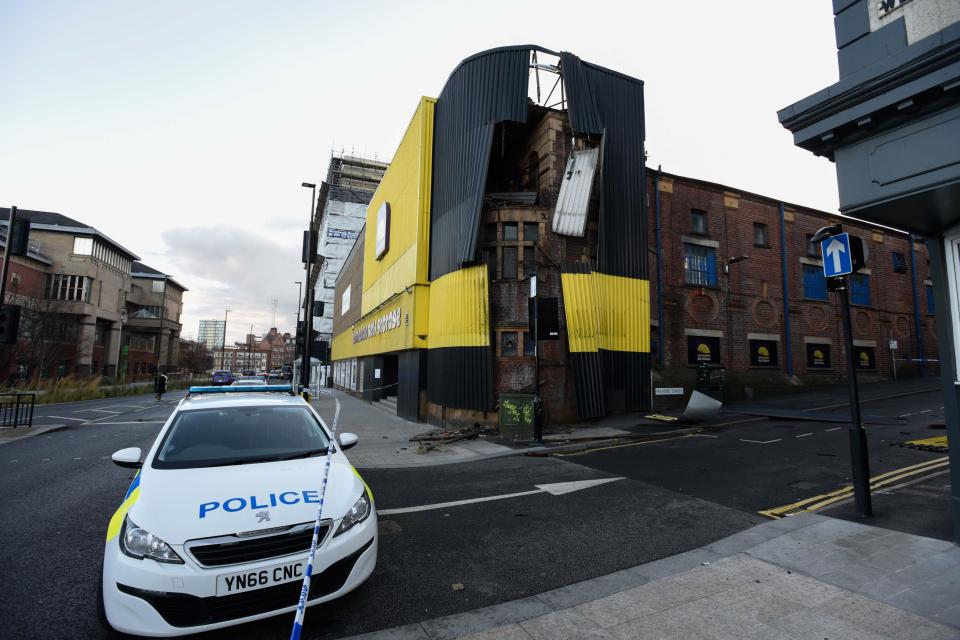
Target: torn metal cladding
[[607, 109]]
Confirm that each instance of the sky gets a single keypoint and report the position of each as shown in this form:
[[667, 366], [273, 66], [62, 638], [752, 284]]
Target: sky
[[183, 130]]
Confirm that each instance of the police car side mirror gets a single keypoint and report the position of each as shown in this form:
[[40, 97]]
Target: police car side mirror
[[348, 440], [128, 458]]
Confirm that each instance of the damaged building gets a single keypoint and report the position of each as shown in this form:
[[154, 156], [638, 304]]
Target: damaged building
[[529, 163]]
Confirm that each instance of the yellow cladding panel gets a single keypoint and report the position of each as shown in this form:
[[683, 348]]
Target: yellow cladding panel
[[459, 309], [606, 312], [581, 308], [392, 327], [625, 313], [406, 187]]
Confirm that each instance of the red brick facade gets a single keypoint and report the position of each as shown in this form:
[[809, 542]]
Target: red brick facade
[[749, 299]]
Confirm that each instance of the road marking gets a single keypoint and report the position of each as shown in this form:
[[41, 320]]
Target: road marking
[[760, 441], [554, 489], [104, 411], [904, 415], [136, 422], [76, 458], [845, 492], [128, 406], [835, 429], [804, 435], [44, 459], [12, 461], [705, 435], [925, 411], [66, 418], [619, 446]]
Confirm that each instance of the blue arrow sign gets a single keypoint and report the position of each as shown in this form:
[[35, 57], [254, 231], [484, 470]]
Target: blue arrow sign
[[837, 260]]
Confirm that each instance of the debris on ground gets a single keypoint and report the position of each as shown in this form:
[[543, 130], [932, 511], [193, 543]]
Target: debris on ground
[[457, 586], [434, 439]]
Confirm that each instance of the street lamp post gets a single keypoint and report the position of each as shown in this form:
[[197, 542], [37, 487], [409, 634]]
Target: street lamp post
[[308, 301], [223, 348], [299, 295]]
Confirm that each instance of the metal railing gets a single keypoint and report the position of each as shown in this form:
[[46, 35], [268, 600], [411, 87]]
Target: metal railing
[[16, 409]]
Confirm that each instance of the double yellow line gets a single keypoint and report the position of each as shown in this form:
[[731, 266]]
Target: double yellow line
[[877, 482]]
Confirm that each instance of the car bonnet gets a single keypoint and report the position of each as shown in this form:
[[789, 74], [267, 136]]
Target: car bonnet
[[184, 504]]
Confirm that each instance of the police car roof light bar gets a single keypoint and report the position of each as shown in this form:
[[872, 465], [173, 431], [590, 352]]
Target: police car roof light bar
[[256, 388]]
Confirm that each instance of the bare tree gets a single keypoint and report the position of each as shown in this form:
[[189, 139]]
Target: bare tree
[[48, 334], [194, 357]]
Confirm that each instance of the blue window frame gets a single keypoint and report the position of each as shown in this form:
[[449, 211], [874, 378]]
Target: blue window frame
[[860, 289], [931, 305], [899, 262], [814, 283], [699, 265]]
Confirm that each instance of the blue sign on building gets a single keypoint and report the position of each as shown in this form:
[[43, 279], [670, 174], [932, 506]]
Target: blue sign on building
[[837, 258]]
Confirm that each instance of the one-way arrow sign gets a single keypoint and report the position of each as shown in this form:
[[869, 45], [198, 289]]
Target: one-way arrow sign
[[554, 489], [837, 260]]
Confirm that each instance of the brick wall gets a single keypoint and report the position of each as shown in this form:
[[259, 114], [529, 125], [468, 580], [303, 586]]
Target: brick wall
[[749, 298]]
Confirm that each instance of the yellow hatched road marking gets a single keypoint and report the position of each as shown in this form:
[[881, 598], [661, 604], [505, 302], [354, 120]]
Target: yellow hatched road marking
[[882, 480], [936, 441]]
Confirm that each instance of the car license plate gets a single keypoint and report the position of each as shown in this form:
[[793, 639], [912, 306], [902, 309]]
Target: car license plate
[[241, 581]]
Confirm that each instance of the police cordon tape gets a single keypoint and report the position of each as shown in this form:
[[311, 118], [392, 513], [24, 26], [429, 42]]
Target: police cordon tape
[[305, 589]]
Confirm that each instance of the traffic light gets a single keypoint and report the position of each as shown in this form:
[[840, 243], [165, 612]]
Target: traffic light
[[309, 246], [19, 237], [320, 350], [858, 254], [9, 323]]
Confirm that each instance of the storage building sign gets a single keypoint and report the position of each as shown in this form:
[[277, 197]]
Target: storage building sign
[[385, 323]]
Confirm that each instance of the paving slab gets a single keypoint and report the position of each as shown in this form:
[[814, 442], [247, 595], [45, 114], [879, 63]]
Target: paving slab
[[873, 584]]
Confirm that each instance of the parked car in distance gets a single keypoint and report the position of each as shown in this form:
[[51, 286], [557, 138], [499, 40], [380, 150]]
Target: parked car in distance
[[244, 381], [222, 378]]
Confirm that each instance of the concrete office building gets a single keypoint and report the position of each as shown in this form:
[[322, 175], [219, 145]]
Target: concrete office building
[[80, 293], [152, 336], [352, 181], [211, 333], [891, 124]]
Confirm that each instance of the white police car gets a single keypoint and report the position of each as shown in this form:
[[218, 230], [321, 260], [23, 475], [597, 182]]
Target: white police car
[[216, 527]]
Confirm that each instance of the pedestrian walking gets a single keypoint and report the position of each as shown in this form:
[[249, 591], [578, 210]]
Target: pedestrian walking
[[161, 385]]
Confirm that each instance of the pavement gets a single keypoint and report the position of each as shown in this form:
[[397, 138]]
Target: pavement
[[385, 438], [806, 576]]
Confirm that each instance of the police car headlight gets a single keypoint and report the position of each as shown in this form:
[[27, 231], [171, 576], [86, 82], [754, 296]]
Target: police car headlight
[[359, 512], [139, 543]]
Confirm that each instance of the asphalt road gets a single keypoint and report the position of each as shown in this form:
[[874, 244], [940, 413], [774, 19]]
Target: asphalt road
[[757, 465], [61, 490]]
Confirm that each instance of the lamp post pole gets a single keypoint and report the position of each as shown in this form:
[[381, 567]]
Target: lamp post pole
[[859, 461], [308, 298], [299, 296], [223, 348], [857, 436]]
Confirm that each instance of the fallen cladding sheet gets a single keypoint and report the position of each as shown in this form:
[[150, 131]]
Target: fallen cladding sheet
[[813, 416], [570, 217]]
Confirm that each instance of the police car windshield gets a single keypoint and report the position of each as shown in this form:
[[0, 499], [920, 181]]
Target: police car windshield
[[240, 435]]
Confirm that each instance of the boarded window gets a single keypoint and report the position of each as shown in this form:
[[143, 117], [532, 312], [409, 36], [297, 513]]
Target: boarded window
[[699, 265], [814, 283], [509, 271], [860, 289]]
